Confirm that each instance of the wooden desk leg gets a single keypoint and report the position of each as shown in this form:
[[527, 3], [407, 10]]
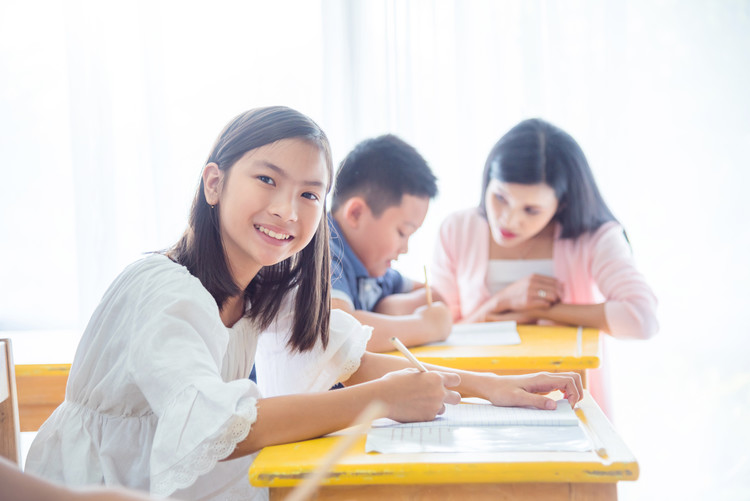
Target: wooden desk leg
[[591, 492], [461, 492]]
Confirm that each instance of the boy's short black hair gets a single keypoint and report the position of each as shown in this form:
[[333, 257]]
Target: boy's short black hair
[[381, 170]]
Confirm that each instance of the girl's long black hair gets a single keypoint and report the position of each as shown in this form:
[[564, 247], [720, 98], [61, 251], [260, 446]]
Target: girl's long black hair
[[201, 251]]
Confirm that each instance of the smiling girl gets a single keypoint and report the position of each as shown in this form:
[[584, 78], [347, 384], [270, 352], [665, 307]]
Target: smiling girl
[[158, 396], [542, 245]]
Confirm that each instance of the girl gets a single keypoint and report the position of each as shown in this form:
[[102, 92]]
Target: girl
[[542, 245], [158, 394]]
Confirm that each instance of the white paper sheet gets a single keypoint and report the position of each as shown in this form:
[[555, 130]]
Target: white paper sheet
[[482, 334], [483, 428]]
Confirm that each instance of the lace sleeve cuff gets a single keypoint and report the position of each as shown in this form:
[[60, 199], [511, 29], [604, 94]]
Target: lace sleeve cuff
[[173, 469]]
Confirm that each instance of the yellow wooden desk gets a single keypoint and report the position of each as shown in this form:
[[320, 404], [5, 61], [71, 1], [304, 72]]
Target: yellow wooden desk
[[446, 476], [41, 388], [542, 348]]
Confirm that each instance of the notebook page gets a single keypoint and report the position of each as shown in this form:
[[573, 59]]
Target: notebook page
[[489, 415]]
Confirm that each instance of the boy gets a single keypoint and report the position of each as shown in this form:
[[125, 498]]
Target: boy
[[382, 192]]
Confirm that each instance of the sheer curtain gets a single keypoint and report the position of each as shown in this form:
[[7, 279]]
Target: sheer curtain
[[107, 111], [656, 94]]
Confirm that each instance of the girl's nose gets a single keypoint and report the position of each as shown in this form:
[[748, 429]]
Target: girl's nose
[[284, 207]]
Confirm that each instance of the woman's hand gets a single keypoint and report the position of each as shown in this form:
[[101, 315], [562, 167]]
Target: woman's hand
[[528, 390], [534, 291], [526, 317], [412, 395]]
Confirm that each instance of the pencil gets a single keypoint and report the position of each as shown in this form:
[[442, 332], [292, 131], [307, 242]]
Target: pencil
[[304, 490], [400, 347], [427, 290]]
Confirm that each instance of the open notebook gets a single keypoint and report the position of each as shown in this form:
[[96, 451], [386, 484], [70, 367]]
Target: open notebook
[[482, 334], [483, 428]]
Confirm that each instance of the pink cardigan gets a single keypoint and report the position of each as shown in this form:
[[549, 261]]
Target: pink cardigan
[[593, 268]]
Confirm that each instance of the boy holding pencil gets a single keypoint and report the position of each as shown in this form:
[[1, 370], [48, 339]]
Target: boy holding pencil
[[381, 196]]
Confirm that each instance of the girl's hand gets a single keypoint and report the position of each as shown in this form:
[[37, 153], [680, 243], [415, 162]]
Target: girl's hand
[[528, 390], [534, 291], [412, 395], [439, 319]]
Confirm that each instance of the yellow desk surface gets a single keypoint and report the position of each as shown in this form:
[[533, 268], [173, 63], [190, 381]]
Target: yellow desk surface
[[542, 348], [501, 475]]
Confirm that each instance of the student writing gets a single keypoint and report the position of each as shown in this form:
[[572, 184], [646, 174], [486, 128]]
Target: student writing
[[381, 196], [158, 397]]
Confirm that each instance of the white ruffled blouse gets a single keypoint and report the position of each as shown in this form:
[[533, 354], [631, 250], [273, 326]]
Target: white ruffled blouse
[[158, 392]]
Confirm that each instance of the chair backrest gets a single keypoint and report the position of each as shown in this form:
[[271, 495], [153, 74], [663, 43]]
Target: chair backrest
[[9, 429]]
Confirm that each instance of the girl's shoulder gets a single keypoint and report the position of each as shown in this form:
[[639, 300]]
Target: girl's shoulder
[[157, 274]]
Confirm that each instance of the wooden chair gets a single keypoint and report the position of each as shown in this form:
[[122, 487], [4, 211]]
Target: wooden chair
[[10, 437]]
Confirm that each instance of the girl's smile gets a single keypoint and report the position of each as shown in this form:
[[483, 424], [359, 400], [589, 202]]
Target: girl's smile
[[275, 236]]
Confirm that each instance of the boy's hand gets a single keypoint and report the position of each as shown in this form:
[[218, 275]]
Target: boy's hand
[[439, 319]]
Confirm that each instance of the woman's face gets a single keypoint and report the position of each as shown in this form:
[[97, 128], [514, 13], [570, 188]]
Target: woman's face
[[518, 212]]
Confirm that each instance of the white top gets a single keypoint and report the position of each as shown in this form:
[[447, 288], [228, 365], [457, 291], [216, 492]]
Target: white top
[[158, 391], [503, 272]]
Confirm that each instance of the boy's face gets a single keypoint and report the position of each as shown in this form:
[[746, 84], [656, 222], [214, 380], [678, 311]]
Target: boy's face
[[379, 240]]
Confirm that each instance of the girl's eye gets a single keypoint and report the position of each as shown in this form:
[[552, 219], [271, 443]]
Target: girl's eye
[[311, 196], [499, 197], [401, 233], [531, 211], [266, 180]]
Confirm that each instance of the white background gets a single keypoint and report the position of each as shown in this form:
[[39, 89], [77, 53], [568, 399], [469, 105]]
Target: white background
[[108, 110]]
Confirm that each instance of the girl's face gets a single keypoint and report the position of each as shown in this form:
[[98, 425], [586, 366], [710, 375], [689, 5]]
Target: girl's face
[[270, 203], [518, 212]]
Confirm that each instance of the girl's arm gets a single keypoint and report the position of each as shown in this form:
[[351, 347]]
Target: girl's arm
[[408, 394], [500, 390]]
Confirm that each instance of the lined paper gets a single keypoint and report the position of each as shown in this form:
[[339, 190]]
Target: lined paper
[[483, 428]]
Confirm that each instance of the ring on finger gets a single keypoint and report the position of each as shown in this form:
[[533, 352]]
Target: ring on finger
[[541, 293]]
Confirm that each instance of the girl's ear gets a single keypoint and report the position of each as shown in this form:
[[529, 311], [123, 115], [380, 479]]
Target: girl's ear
[[212, 178], [354, 208]]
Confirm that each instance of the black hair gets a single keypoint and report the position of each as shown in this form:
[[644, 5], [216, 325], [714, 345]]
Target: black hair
[[535, 151], [382, 170], [201, 250]]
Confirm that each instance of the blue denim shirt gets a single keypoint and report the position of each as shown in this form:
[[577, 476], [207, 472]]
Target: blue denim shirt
[[350, 279]]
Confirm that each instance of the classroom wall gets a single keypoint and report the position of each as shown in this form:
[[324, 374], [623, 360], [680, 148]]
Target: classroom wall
[[107, 111]]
